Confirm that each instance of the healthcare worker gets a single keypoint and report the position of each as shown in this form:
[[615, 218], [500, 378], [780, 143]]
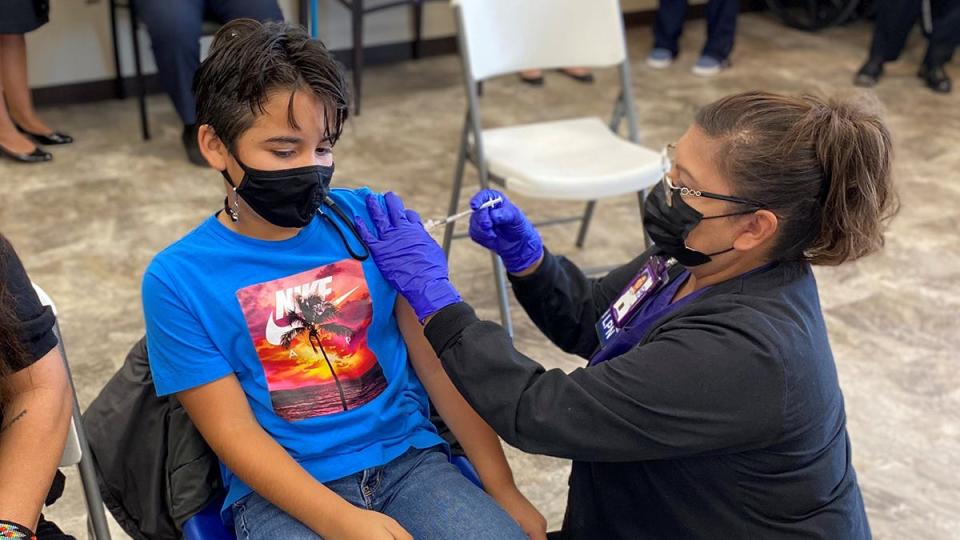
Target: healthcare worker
[[709, 407]]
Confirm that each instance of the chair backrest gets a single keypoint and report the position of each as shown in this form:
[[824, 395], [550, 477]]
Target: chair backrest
[[505, 36], [72, 452]]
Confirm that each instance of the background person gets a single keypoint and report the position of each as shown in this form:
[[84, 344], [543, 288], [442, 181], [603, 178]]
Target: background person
[[21, 129]]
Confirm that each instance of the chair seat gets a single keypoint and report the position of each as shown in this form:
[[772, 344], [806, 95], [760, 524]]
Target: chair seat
[[577, 159], [72, 453]]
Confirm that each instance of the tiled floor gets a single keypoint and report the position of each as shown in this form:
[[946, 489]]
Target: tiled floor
[[88, 223]]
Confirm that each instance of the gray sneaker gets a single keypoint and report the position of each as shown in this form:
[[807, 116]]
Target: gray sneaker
[[708, 66], [660, 59]]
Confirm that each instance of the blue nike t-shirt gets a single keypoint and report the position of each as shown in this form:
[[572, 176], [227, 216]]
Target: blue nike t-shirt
[[308, 331]]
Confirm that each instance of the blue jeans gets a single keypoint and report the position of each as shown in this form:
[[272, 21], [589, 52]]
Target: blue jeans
[[420, 489], [721, 26]]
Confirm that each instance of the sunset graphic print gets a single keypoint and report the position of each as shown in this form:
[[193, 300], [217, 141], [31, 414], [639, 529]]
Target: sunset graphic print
[[310, 334]]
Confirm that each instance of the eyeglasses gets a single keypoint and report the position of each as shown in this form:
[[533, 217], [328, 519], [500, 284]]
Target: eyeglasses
[[666, 164]]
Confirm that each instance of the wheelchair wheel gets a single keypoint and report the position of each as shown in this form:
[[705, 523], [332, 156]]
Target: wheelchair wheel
[[813, 15]]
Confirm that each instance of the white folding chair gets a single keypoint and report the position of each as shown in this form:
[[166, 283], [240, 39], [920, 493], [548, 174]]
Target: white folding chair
[[505, 36], [77, 452]]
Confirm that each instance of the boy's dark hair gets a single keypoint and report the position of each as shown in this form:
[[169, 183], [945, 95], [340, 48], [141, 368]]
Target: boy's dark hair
[[248, 60]]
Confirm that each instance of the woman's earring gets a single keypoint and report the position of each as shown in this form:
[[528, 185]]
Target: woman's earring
[[234, 212]]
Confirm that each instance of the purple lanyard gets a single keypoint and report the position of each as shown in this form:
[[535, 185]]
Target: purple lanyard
[[620, 334], [653, 308]]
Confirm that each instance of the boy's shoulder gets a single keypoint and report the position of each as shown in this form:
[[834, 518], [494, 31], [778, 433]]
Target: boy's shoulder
[[183, 249], [355, 198]]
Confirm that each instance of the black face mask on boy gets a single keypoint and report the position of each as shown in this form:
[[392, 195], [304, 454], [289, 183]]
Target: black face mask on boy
[[285, 198]]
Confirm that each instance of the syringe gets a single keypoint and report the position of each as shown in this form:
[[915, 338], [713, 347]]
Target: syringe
[[434, 223]]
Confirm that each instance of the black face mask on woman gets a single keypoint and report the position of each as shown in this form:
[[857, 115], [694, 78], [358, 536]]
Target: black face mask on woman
[[668, 220], [285, 198]]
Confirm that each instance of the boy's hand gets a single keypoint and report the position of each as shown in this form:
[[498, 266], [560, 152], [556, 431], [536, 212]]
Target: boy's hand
[[523, 512], [360, 524]]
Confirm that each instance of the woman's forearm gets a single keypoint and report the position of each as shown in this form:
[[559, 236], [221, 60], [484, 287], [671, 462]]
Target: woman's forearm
[[34, 431], [565, 304]]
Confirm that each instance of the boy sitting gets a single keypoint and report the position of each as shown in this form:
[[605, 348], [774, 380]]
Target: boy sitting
[[284, 343]]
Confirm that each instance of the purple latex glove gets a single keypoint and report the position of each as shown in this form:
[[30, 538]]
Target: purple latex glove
[[409, 259], [504, 230]]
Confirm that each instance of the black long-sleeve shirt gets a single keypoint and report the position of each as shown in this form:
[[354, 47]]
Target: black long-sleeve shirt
[[725, 421]]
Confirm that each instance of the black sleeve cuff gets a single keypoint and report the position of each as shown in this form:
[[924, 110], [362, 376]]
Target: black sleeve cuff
[[541, 278], [447, 325]]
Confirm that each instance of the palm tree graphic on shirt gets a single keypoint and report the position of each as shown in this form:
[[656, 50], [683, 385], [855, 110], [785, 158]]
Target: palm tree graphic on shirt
[[315, 319]]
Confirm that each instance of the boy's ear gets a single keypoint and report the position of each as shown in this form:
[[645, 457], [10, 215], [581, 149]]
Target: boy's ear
[[212, 148]]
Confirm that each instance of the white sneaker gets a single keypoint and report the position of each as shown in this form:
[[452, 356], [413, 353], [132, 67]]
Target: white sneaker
[[708, 66], [660, 59]]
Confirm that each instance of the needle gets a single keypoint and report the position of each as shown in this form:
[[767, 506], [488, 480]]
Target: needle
[[434, 223]]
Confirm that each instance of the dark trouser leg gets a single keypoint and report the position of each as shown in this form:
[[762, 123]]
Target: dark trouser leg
[[261, 10], [895, 19], [721, 28], [946, 32], [669, 25], [175, 36]]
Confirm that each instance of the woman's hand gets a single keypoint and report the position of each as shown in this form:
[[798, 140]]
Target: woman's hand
[[409, 259], [360, 524], [504, 230], [523, 512]]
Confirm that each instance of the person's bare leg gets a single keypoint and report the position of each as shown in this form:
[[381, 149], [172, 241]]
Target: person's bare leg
[[13, 48], [531, 74], [577, 71], [10, 138]]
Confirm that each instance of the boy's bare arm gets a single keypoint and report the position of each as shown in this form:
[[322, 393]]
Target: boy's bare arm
[[220, 411], [480, 442]]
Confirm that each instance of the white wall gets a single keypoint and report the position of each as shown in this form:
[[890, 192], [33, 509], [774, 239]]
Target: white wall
[[75, 46]]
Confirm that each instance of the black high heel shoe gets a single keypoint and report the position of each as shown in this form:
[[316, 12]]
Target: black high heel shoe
[[49, 139], [37, 156], [585, 78]]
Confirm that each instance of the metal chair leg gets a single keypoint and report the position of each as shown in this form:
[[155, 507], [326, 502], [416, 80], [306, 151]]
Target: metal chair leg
[[141, 83], [96, 517], [417, 27], [457, 186], [500, 276], [357, 31], [585, 223], [118, 89], [314, 11]]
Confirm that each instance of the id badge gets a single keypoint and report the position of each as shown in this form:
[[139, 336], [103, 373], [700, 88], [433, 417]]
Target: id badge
[[648, 281]]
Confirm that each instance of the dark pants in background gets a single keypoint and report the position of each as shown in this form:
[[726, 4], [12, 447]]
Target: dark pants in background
[[174, 28], [721, 26], [895, 19]]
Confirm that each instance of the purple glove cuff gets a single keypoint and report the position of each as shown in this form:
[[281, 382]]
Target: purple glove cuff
[[435, 296], [523, 255]]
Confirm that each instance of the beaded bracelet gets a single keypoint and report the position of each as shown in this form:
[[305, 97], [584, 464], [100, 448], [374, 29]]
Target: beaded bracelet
[[9, 529]]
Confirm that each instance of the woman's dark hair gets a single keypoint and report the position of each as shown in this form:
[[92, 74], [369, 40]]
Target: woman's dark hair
[[12, 352], [248, 60], [823, 166]]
